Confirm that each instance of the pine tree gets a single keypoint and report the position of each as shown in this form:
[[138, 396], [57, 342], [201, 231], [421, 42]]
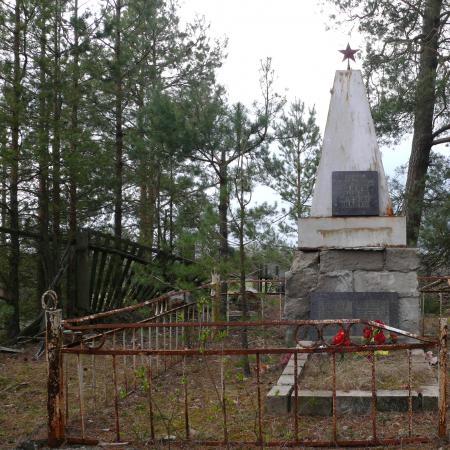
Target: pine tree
[[292, 169]]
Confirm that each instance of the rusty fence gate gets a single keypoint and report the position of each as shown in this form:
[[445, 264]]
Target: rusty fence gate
[[177, 377]]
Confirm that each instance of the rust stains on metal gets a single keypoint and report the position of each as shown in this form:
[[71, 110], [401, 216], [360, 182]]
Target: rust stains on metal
[[373, 411], [443, 349], [55, 381], [112, 312], [249, 351], [116, 399]]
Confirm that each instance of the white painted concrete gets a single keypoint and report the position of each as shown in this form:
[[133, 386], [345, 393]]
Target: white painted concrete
[[349, 142], [352, 232]]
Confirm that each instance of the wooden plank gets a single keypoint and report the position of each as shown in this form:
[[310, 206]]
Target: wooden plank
[[114, 260], [83, 273], [117, 279], [10, 350], [119, 293], [98, 284], [95, 255]]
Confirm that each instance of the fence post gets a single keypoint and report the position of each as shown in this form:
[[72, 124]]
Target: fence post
[[55, 382], [443, 330]]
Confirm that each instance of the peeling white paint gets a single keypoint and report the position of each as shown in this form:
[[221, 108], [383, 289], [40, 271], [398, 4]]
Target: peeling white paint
[[352, 232]]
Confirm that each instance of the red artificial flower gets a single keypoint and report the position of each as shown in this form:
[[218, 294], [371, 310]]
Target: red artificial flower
[[367, 332], [379, 338], [347, 342], [338, 338], [393, 336]]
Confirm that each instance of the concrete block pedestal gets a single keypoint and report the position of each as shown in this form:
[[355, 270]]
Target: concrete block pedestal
[[380, 269]]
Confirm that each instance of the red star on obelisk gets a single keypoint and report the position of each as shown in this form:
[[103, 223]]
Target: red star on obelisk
[[348, 54]]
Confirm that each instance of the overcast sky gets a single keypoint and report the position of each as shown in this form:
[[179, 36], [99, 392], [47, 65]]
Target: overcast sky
[[298, 37]]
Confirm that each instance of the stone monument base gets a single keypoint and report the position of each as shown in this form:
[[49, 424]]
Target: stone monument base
[[374, 270]]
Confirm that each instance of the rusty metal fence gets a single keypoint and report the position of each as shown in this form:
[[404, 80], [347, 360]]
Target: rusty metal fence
[[176, 377]]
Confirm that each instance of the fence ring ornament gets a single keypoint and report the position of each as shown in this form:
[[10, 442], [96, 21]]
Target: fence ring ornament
[[49, 300], [349, 334], [315, 343]]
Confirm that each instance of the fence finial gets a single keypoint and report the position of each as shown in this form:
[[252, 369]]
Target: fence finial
[[49, 300]]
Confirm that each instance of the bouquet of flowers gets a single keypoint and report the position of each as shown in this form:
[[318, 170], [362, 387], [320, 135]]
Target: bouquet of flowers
[[374, 335]]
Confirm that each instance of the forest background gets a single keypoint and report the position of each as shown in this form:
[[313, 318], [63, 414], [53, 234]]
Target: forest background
[[113, 120]]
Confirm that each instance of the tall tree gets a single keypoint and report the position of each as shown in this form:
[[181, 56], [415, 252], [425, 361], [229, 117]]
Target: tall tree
[[407, 72], [14, 72]]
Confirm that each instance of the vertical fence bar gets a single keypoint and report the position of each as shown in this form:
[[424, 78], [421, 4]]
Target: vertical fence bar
[[134, 357], [94, 384], [116, 399], [186, 400], [142, 344], [410, 406], [150, 403], [281, 307], [81, 394], [261, 300], [423, 312], [334, 398], [258, 384], [374, 398], [295, 409], [124, 346], [158, 320], [105, 372], [55, 382], [66, 387], [224, 406], [149, 346], [164, 343], [443, 331]]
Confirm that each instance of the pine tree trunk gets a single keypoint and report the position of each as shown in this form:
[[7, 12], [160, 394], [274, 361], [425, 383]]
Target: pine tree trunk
[[71, 307], [223, 232], [56, 142], [118, 200], [423, 120], [43, 250], [4, 188], [243, 293], [14, 256], [299, 186]]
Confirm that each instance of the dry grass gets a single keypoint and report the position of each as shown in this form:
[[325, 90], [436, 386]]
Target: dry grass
[[23, 411], [354, 371], [23, 401]]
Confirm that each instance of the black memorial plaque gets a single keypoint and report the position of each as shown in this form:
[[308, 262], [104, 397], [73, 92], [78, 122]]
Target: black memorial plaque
[[355, 305], [355, 193]]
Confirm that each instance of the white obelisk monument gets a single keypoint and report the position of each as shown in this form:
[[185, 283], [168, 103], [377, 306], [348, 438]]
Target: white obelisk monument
[[352, 243]]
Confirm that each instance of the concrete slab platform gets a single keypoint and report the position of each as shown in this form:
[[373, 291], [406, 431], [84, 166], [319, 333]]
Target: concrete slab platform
[[352, 232]]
